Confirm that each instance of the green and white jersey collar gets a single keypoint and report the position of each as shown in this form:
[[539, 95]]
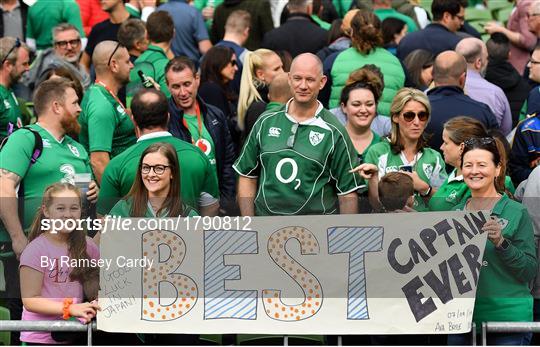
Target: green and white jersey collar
[[154, 135]]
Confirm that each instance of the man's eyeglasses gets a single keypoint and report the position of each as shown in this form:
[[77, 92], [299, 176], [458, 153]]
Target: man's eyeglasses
[[112, 55], [158, 169], [290, 140], [533, 62], [530, 15], [15, 46], [73, 43], [409, 116]]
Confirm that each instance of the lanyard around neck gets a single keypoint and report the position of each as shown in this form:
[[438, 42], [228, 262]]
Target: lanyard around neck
[[101, 83], [199, 122]]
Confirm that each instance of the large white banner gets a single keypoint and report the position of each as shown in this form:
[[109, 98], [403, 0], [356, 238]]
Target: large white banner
[[345, 274]]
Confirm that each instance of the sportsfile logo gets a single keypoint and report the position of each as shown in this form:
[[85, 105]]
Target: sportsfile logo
[[274, 132]]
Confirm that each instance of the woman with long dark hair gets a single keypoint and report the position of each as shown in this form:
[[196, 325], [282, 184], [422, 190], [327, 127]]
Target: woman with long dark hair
[[218, 68], [156, 189]]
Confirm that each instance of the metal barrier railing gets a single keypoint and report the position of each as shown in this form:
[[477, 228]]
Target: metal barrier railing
[[49, 325], [508, 327], [71, 326]]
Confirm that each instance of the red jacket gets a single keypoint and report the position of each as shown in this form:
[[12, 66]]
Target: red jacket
[[91, 14]]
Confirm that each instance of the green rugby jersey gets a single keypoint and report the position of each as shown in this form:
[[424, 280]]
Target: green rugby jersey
[[454, 190], [152, 63], [301, 167], [197, 176], [59, 162], [105, 125], [123, 209], [503, 293], [10, 114], [428, 164]]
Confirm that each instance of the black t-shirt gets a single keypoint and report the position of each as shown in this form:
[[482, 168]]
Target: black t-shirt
[[102, 31]]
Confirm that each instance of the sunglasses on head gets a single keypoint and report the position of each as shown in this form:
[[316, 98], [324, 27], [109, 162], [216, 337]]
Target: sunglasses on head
[[409, 116], [15, 46], [113, 52], [473, 141]]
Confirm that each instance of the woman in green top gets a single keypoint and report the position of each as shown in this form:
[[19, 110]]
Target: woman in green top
[[156, 189], [503, 292], [359, 99], [454, 190], [407, 149]]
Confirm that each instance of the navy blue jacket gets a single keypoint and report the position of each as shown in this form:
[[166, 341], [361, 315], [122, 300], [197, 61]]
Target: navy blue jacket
[[434, 38], [448, 102], [525, 155], [533, 100], [215, 123]]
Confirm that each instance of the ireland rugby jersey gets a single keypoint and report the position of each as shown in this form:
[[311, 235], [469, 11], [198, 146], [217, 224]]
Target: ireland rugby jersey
[[10, 115], [301, 167], [105, 125], [428, 164], [59, 162]]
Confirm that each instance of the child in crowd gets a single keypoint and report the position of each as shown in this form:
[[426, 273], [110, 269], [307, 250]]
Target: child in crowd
[[396, 192], [51, 289]]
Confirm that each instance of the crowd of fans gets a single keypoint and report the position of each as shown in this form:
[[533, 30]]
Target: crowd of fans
[[260, 108]]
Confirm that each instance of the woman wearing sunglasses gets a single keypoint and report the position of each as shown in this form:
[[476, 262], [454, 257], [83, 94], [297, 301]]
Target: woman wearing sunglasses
[[156, 189], [218, 69], [454, 190], [503, 293], [407, 149]]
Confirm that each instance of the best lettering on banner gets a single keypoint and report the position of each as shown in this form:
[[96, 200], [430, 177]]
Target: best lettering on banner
[[404, 273]]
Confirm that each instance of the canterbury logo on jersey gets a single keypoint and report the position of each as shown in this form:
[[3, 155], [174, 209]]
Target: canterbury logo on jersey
[[7, 105], [120, 109], [46, 143], [315, 138], [274, 132]]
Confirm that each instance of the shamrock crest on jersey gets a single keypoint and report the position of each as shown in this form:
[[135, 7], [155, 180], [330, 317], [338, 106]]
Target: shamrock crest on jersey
[[315, 138], [74, 150]]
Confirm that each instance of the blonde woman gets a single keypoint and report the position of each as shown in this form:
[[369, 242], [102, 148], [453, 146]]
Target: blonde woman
[[407, 150], [260, 68]]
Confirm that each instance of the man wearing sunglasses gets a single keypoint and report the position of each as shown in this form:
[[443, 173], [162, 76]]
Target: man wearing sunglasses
[[448, 99], [297, 160], [66, 51], [15, 58], [106, 127]]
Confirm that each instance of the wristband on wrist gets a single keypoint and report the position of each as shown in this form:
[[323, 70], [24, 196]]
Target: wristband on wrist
[[428, 191], [65, 310]]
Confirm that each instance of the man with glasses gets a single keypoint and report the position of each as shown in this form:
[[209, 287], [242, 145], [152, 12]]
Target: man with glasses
[[448, 99], [106, 126], [533, 100], [15, 58], [66, 51], [440, 35], [297, 160]]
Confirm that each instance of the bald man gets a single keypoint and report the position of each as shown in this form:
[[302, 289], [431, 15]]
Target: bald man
[[448, 99], [278, 94], [478, 88], [301, 152], [106, 126]]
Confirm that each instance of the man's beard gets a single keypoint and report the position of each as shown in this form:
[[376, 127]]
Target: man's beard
[[14, 77], [70, 125], [73, 60]]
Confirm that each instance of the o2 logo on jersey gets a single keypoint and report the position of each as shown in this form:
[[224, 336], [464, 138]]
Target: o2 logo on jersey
[[292, 175], [69, 173]]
